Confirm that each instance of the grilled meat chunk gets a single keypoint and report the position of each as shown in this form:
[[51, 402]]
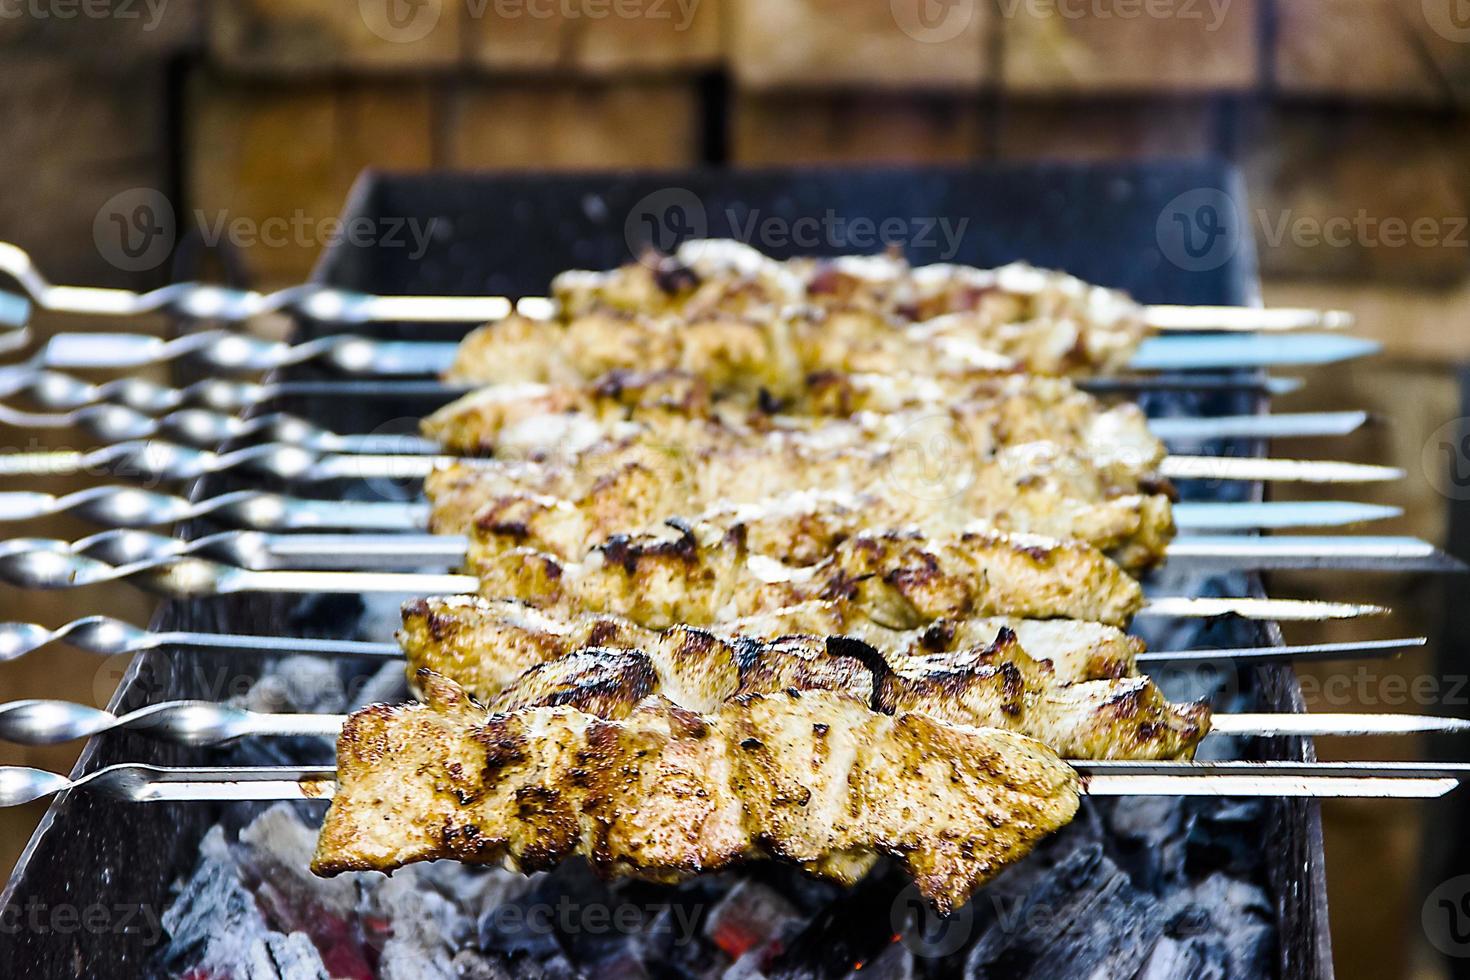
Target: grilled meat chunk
[[1049, 322], [705, 573], [1029, 489], [695, 669], [816, 779], [485, 645], [994, 409], [801, 528]]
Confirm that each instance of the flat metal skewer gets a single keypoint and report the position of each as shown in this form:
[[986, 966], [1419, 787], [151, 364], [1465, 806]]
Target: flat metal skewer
[[260, 551], [108, 637], [260, 510], [156, 460], [226, 351], [38, 721], [206, 428], [205, 301], [135, 783], [189, 578], [62, 392]]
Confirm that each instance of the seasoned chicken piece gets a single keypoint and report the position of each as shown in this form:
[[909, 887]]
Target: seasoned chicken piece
[[1047, 321], [800, 528], [667, 793], [486, 644], [988, 411], [704, 574], [1029, 489], [695, 669]]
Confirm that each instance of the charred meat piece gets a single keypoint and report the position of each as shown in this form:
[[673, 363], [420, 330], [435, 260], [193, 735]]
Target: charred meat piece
[[695, 669], [486, 644], [703, 574], [815, 779], [800, 528], [1033, 488], [988, 410]]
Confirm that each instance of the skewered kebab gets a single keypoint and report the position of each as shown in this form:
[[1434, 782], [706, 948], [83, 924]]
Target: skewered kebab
[[486, 644], [1002, 409], [706, 572], [998, 293], [816, 779], [720, 307], [996, 684]]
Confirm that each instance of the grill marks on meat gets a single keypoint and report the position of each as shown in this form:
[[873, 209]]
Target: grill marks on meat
[[485, 645], [800, 528], [996, 409], [870, 313], [1031, 489], [817, 779], [1004, 688], [705, 573]]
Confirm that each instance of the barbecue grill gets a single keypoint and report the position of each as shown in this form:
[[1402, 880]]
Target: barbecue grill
[[508, 235]]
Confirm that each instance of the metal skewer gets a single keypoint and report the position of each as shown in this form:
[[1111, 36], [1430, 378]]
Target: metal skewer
[[157, 460], [108, 637], [223, 350], [63, 392], [206, 428], [259, 510], [189, 578], [134, 783], [202, 723], [259, 551], [203, 301]]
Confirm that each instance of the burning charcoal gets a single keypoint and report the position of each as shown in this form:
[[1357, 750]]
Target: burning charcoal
[[214, 921], [1086, 919], [1149, 836], [278, 848], [421, 926], [307, 684], [750, 916], [853, 929], [894, 963], [279, 957], [1236, 915], [1174, 959], [273, 854], [1226, 836]]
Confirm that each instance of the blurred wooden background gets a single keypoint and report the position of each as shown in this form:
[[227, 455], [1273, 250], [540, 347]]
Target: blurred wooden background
[[1345, 114]]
